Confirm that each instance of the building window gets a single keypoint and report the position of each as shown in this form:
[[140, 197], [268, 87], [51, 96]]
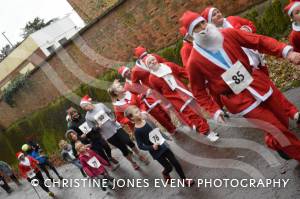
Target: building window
[[62, 41], [51, 49]]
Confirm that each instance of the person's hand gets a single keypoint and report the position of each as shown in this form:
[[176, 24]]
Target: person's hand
[[83, 136], [294, 57], [246, 28], [155, 146]]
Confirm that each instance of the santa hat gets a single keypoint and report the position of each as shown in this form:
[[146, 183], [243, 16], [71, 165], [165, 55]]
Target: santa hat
[[19, 154], [189, 20], [291, 6], [207, 13], [122, 70], [182, 31], [140, 51], [85, 100], [146, 59]]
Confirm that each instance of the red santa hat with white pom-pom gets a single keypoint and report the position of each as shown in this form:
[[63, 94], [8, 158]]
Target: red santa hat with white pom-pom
[[207, 13], [122, 70], [189, 20], [85, 100]]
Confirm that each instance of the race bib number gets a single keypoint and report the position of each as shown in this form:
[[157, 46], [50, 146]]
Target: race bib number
[[31, 174], [237, 78], [85, 128], [94, 162], [101, 117], [155, 137]]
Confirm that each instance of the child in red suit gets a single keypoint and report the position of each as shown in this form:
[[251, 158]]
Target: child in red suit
[[93, 165]]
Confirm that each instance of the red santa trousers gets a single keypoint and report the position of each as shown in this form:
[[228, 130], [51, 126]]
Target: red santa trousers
[[160, 114], [273, 112]]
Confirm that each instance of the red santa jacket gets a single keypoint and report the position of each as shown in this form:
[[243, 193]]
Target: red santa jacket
[[32, 164], [239, 22], [88, 160], [140, 73], [179, 96], [147, 103], [121, 105], [294, 37], [202, 67], [185, 52]]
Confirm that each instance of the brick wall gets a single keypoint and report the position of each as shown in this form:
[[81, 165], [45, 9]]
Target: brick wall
[[108, 40]]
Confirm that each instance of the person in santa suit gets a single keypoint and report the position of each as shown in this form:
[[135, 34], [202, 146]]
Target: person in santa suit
[[29, 169], [187, 46], [214, 16], [149, 103], [140, 73], [293, 10], [165, 78], [218, 58], [121, 99], [185, 52]]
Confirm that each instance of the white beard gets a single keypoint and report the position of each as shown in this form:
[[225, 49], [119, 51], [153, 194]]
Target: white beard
[[26, 162], [210, 39]]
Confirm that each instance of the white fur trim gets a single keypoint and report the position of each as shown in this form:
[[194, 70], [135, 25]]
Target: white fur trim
[[185, 104], [257, 96], [286, 50], [226, 24], [122, 101], [247, 27], [82, 103], [143, 54], [217, 114], [296, 4], [20, 155], [194, 23], [210, 12], [296, 27], [141, 65], [162, 71], [249, 109], [26, 162], [124, 71]]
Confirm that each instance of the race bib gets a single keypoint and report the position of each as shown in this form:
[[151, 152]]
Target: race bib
[[85, 128], [101, 117], [31, 174], [237, 77], [155, 137], [94, 162]]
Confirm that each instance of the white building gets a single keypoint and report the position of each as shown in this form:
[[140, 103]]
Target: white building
[[55, 34]]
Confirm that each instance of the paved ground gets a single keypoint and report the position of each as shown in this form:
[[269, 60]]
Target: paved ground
[[240, 153]]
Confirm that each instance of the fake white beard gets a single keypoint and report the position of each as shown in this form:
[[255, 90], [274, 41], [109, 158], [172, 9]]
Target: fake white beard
[[210, 39], [26, 161]]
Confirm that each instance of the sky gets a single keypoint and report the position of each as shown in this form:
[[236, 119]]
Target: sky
[[14, 14]]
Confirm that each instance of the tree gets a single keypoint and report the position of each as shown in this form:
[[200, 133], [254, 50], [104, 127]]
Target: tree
[[5, 51], [34, 25]]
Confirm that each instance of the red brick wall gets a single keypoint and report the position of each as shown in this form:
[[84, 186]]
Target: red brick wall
[[152, 23]]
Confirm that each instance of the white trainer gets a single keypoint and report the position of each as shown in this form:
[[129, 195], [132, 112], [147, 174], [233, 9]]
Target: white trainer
[[212, 136]]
